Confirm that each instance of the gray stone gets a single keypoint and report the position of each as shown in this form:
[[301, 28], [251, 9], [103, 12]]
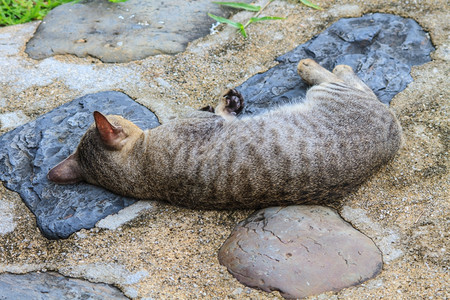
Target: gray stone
[[299, 251], [122, 32], [381, 48], [51, 285], [28, 152]]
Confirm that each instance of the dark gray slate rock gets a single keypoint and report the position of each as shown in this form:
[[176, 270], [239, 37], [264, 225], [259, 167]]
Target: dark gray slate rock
[[28, 152], [122, 32], [299, 251], [381, 48], [47, 286]]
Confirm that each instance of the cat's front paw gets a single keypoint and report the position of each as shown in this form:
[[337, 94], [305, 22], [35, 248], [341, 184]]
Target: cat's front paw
[[233, 102]]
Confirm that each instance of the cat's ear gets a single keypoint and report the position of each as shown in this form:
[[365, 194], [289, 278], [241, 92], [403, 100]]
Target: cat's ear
[[66, 172], [112, 136]]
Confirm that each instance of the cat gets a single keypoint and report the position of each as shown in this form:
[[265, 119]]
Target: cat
[[312, 152]]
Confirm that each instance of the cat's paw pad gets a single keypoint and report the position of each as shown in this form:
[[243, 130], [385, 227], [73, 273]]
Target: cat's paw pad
[[234, 102]]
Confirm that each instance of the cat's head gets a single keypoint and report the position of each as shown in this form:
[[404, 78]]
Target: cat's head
[[101, 149]]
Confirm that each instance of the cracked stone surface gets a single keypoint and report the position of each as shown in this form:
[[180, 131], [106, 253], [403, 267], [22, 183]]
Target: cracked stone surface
[[299, 251], [381, 48], [53, 286], [31, 150], [122, 32]]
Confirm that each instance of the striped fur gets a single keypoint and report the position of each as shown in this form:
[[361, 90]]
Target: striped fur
[[311, 152]]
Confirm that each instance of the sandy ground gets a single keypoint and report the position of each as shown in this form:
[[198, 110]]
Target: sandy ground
[[171, 252]]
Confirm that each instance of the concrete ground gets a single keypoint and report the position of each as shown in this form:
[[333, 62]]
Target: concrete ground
[[154, 250]]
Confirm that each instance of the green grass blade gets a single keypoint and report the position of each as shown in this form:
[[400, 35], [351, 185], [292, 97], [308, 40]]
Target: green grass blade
[[226, 21], [252, 20], [310, 4], [240, 5], [237, 25]]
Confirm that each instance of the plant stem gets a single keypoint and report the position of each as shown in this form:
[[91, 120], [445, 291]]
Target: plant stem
[[258, 13]]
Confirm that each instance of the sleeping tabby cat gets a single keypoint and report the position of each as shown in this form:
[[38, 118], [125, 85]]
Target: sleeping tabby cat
[[311, 152]]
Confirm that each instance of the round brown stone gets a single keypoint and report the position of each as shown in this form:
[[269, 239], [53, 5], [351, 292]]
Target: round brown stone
[[299, 251]]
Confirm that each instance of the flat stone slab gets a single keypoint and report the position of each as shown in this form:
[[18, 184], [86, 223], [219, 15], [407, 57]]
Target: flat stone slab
[[299, 251], [53, 286], [381, 48], [122, 32], [28, 152]]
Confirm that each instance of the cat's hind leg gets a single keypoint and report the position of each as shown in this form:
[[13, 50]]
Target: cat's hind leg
[[346, 73], [230, 105], [313, 73]]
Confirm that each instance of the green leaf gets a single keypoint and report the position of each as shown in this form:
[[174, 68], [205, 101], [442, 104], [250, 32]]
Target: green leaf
[[252, 20], [240, 5], [242, 30], [310, 4], [237, 25], [224, 20]]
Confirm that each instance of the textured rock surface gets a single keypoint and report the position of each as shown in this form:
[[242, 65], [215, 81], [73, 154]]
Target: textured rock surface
[[53, 286], [28, 152], [122, 32], [381, 48], [299, 251]]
